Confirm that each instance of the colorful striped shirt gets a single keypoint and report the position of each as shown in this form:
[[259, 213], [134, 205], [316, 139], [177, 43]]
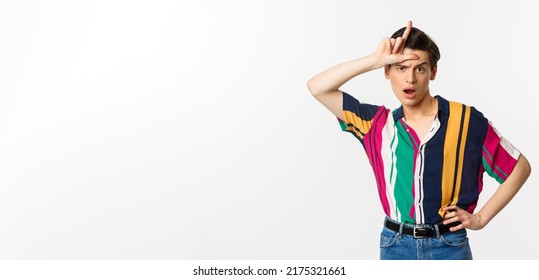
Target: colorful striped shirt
[[415, 178]]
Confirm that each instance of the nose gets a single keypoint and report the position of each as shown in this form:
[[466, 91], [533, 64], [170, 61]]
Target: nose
[[410, 76]]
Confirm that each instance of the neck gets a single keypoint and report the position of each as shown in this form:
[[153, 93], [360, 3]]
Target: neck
[[428, 107]]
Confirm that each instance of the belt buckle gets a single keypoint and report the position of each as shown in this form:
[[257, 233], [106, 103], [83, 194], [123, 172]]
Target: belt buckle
[[420, 229]]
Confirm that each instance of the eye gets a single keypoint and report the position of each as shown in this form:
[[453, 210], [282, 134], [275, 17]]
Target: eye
[[400, 68], [420, 69]]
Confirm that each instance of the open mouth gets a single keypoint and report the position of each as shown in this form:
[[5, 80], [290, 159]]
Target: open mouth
[[409, 93], [409, 90]]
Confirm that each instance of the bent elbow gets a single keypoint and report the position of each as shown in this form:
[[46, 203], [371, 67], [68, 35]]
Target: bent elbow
[[525, 166], [528, 168], [316, 88], [311, 85]]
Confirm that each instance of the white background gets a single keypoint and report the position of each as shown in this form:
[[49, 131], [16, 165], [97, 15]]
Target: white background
[[185, 130]]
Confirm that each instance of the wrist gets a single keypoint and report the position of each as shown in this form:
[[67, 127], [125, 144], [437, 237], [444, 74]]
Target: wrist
[[482, 220], [373, 62]]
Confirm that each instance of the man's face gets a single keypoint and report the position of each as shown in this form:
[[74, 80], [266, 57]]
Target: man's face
[[410, 79]]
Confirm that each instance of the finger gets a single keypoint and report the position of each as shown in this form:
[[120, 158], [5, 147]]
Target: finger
[[393, 40], [388, 44], [451, 207], [405, 36], [449, 215], [409, 57], [450, 220], [407, 30], [455, 228], [398, 42]]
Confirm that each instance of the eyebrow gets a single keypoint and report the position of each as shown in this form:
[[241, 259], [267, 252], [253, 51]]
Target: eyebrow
[[421, 64]]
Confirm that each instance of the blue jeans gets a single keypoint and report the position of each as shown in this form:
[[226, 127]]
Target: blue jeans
[[447, 246]]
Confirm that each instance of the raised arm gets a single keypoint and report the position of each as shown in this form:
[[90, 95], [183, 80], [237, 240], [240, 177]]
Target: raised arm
[[325, 86]]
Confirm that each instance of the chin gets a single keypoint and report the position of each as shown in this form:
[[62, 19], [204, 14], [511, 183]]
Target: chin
[[407, 102]]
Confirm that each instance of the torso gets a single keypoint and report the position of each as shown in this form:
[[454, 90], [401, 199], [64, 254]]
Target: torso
[[421, 126]]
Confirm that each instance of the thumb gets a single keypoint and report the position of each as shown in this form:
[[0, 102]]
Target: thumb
[[398, 58], [409, 57]]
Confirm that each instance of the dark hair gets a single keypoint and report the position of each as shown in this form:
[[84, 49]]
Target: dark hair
[[419, 40]]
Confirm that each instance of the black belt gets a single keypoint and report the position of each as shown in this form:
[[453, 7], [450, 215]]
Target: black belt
[[420, 231]]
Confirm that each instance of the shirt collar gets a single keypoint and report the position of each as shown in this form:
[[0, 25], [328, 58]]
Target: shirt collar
[[443, 110]]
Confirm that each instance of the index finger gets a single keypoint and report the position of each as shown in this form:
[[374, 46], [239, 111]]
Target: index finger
[[407, 31], [450, 207]]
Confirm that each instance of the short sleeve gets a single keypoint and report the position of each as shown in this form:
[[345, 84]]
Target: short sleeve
[[358, 117], [499, 156]]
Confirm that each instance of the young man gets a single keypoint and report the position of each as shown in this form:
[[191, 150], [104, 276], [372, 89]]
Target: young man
[[428, 156]]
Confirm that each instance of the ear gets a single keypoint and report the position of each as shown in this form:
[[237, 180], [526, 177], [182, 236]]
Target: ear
[[386, 71], [433, 73]]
